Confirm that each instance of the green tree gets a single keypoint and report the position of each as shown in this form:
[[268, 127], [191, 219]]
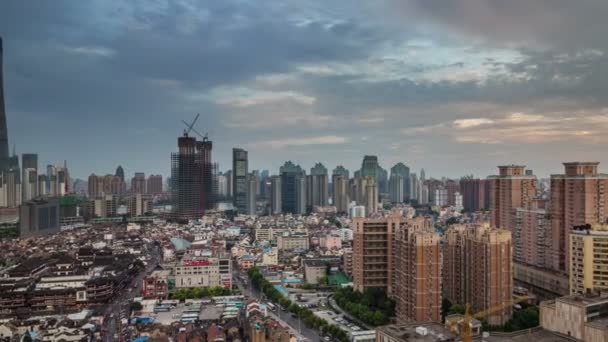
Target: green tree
[[456, 309], [136, 306]]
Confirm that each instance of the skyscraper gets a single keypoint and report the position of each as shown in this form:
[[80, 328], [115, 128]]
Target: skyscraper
[[396, 185], [371, 196], [240, 172], [154, 184], [369, 167], [318, 187], [191, 175], [474, 194], [138, 183], [252, 185], [340, 171], [29, 178], [578, 197], [29, 184], [399, 183], [340, 195], [414, 187], [29, 161], [382, 180], [510, 189], [275, 195], [120, 173], [293, 188], [4, 157]]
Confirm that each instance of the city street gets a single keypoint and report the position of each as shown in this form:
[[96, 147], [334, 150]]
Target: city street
[[281, 315], [120, 307]]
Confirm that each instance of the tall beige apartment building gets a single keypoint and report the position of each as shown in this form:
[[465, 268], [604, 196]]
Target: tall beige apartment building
[[478, 269], [511, 188], [578, 197], [589, 259], [402, 257]]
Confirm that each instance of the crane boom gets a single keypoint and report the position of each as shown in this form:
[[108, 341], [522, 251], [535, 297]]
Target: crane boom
[[463, 325]]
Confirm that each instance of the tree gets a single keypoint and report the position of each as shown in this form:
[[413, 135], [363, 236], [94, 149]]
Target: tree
[[456, 309], [136, 306], [451, 221]]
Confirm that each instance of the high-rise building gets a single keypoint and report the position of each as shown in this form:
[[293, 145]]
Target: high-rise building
[[252, 185], [239, 178], [458, 201], [588, 259], [222, 185], [10, 193], [138, 204], [478, 269], [382, 180], [433, 184], [41, 185], [275, 195], [340, 171], [417, 272], [532, 234], [138, 183], [510, 189], [120, 173], [452, 187], [317, 187], [371, 196], [424, 194], [578, 197], [29, 161], [402, 170], [191, 174], [414, 187], [293, 188], [396, 185], [4, 162], [369, 167], [340, 195], [29, 184], [441, 197], [230, 183], [373, 252], [39, 217], [154, 184], [474, 194]]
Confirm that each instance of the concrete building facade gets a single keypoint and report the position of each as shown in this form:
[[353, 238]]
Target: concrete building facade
[[578, 197], [478, 269]]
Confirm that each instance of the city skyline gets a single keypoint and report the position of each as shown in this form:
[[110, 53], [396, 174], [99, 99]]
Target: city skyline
[[407, 81]]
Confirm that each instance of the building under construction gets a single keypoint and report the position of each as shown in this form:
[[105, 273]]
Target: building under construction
[[192, 177]]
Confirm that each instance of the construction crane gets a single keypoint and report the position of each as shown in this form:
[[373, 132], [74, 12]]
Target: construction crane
[[190, 126], [462, 325]]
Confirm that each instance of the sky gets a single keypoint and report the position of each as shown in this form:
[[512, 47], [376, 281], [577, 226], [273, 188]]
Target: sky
[[455, 87]]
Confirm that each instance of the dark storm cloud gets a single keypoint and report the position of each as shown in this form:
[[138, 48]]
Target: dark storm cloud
[[289, 76]]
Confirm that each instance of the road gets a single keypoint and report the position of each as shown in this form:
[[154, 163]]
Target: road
[[119, 308], [282, 315]]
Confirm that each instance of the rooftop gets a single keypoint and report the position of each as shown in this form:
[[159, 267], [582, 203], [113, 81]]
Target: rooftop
[[407, 332]]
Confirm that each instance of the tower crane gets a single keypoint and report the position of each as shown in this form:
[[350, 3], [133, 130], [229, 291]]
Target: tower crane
[[462, 325], [190, 128]]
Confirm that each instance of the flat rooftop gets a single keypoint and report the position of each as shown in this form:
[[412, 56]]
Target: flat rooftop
[[407, 332]]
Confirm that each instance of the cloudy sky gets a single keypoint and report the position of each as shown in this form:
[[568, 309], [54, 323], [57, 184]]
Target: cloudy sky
[[456, 87]]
